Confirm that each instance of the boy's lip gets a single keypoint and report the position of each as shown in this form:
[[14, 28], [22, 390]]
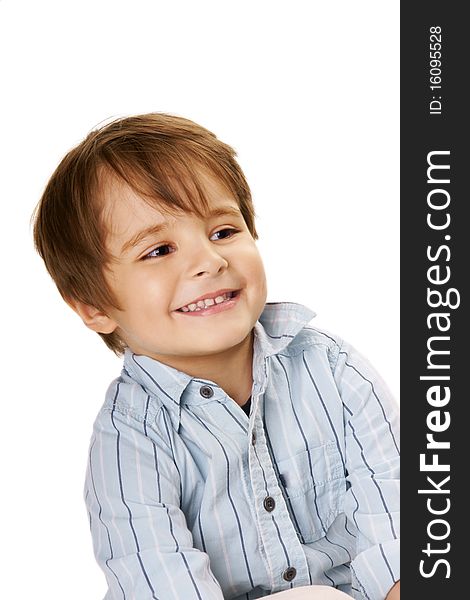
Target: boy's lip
[[212, 295]]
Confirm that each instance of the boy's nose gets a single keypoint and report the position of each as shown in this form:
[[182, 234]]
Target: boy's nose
[[207, 261]]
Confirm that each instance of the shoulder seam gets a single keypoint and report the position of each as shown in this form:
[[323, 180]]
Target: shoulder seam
[[125, 411], [335, 364]]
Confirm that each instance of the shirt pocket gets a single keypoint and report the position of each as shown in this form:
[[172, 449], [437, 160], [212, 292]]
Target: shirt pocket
[[314, 483]]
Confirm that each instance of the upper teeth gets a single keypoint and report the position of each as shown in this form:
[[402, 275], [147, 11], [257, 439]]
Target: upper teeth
[[195, 306]]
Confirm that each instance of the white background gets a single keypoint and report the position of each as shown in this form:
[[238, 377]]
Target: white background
[[306, 92]]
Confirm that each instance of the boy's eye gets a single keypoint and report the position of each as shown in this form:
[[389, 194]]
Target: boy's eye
[[159, 251], [223, 233], [165, 249]]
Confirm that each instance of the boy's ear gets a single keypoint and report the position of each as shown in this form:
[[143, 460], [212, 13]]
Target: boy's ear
[[94, 319]]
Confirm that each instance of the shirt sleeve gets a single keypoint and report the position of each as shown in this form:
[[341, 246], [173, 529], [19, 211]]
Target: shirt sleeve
[[140, 536], [371, 420]]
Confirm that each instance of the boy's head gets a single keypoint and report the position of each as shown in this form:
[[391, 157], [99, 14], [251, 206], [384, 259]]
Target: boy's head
[[142, 219]]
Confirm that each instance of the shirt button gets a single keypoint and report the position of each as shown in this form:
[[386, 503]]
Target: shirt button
[[269, 503], [289, 573], [206, 391], [253, 438]]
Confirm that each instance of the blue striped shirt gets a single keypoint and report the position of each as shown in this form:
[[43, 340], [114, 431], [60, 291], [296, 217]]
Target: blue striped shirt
[[189, 498]]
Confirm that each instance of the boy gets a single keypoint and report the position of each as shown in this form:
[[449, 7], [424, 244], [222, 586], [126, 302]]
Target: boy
[[241, 453]]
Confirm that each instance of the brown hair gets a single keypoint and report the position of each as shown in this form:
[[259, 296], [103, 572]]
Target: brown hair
[[161, 157]]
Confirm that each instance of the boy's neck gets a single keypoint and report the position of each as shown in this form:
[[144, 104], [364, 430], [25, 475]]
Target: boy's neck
[[232, 369]]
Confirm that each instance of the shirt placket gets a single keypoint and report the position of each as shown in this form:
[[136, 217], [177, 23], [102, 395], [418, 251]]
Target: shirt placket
[[283, 552]]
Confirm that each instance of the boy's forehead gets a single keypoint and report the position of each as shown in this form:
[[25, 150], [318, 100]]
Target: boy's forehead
[[125, 213]]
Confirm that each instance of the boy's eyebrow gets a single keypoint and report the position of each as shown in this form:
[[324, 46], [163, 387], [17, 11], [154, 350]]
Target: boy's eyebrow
[[141, 235], [220, 211]]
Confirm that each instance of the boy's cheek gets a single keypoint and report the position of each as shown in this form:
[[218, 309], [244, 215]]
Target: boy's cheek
[[251, 260]]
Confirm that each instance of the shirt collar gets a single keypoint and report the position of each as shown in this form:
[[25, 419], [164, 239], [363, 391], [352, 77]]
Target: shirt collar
[[277, 326]]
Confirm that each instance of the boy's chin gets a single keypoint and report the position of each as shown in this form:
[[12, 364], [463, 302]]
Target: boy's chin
[[217, 343]]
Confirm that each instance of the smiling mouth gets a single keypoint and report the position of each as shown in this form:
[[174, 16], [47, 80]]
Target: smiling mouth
[[208, 302]]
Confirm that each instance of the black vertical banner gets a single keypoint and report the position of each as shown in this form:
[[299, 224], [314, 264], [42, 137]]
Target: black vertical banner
[[435, 257]]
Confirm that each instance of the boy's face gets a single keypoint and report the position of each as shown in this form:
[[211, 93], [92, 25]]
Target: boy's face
[[187, 286]]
